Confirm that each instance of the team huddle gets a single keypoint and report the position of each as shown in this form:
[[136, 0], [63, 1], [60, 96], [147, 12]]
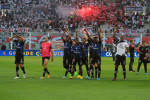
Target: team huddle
[[87, 52]]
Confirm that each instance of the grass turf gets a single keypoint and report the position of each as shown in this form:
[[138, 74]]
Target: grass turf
[[136, 87]]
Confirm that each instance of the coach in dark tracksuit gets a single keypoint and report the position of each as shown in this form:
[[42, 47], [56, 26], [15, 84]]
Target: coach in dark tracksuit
[[143, 51]]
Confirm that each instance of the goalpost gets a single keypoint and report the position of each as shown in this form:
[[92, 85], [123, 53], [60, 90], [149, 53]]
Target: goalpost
[[29, 34]]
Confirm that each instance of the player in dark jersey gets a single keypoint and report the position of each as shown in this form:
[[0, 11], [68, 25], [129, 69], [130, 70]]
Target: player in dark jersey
[[131, 50], [72, 55], [85, 59], [47, 53], [122, 46], [143, 50], [90, 45], [67, 51], [90, 57], [78, 56], [96, 52], [19, 57]]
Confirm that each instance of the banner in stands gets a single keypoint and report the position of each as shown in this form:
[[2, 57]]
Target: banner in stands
[[5, 6], [55, 53], [134, 9]]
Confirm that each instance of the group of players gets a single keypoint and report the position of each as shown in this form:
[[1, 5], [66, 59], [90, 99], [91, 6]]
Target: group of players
[[76, 52]]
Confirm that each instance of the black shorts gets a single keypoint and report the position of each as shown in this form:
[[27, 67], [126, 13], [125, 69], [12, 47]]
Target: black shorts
[[96, 59], [142, 60], [19, 59], [43, 58], [120, 59], [78, 60], [67, 60], [85, 60]]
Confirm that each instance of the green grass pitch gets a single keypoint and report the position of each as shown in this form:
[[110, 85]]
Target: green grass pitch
[[136, 87]]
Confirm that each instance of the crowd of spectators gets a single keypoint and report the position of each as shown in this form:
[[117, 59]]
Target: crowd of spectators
[[42, 16]]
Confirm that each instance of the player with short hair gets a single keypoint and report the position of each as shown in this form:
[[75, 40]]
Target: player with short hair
[[143, 50], [96, 52], [131, 50], [67, 51], [120, 55], [47, 53], [19, 56]]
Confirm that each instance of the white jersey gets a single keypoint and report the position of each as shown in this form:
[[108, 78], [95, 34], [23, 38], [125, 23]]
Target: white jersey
[[121, 48]]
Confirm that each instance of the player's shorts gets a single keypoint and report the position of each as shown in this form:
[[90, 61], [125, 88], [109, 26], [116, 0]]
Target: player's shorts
[[19, 59], [85, 60], [96, 59], [141, 59], [67, 60], [78, 60], [120, 59], [43, 58]]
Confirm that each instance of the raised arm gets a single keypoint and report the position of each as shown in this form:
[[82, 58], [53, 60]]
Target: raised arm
[[99, 35], [85, 35], [62, 36], [68, 33], [11, 38], [88, 35], [114, 35], [22, 38]]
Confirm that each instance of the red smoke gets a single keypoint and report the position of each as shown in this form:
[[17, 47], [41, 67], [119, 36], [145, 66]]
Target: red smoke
[[89, 13]]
